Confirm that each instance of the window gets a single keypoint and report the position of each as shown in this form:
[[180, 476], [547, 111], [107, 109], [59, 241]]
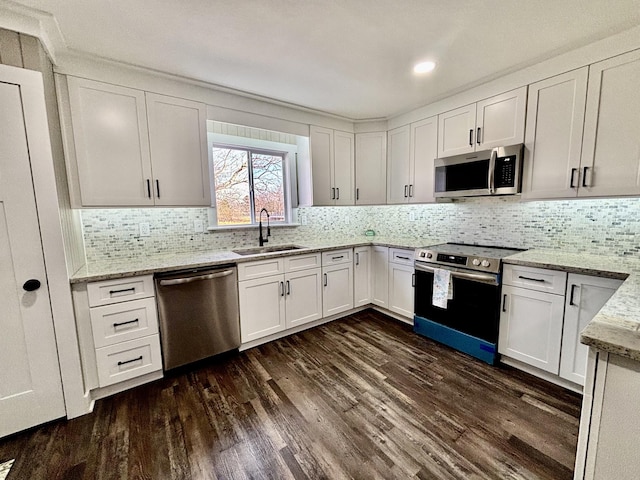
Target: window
[[247, 180]]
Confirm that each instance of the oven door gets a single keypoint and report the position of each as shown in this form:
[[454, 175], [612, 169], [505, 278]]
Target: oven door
[[473, 312]]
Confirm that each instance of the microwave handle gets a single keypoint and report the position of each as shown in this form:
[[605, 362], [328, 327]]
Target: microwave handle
[[492, 168]]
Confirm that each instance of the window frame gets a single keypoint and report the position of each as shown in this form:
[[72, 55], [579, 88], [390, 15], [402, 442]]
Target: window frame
[[288, 152]]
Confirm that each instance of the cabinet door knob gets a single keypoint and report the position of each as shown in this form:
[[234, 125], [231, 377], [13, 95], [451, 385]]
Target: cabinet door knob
[[31, 285]]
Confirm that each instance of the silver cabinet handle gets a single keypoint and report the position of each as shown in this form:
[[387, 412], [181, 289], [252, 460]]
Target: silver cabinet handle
[[180, 281]]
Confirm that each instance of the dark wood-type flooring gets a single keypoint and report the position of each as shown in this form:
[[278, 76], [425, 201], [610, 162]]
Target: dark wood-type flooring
[[363, 397]]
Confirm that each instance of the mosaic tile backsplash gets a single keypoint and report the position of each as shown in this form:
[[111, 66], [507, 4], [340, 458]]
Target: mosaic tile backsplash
[[599, 226]]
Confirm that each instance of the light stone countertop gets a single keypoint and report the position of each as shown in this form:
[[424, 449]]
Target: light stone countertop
[[185, 261], [616, 327]]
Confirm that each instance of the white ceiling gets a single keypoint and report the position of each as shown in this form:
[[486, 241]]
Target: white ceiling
[[351, 58]]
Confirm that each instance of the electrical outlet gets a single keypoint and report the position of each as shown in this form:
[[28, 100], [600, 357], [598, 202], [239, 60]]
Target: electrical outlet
[[303, 219], [347, 220], [412, 216], [145, 229], [198, 226]]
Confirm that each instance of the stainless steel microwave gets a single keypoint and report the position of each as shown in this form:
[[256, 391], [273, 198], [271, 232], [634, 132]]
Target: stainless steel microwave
[[490, 172]]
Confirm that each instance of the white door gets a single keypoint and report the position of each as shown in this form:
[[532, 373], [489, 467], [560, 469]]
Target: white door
[[337, 295], [303, 293], [371, 168], [586, 295], [343, 167], [362, 279], [401, 289], [555, 117], [500, 120], [531, 327], [611, 151], [398, 157], [179, 158], [424, 150], [30, 385], [262, 307], [380, 275], [321, 144], [456, 131]]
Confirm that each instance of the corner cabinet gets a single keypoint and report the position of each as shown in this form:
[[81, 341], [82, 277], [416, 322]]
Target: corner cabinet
[[371, 168], [131, 148], [333, 165], [493, 122], [412, 150]]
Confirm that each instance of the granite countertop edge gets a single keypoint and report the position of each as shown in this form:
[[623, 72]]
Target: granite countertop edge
[[616, 327]]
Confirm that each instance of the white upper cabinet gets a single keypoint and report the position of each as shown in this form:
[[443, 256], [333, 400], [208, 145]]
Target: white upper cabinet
[[333, 164], [493, 122], [178, 140], [610, 163], [412, 150], [371, 168], [137, 149], [111, 144], [398, 159], [553, 139]]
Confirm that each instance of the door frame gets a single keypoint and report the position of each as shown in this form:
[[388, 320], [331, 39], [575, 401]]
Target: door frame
[[37, 129]]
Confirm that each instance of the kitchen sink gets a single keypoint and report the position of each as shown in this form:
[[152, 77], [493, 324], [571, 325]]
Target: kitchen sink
[[261, 250]]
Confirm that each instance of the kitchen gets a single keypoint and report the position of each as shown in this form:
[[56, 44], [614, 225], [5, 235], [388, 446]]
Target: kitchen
[[113, 239]]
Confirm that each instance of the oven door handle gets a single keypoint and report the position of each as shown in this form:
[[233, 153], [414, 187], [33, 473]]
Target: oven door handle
[[474, 277]]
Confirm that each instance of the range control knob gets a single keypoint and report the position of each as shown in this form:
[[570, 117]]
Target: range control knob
[[429, 255], [485, 263], [476, 262]]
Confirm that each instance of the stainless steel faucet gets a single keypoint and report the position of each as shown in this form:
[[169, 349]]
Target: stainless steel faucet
[[262, 240]]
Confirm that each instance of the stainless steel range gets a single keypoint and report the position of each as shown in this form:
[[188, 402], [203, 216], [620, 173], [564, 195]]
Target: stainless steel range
[[457, 296]]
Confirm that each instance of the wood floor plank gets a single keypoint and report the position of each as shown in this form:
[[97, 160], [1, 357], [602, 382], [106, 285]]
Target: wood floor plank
[[358, 398]]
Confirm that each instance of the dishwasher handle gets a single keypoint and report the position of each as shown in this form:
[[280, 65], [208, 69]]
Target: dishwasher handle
[[181, 281]]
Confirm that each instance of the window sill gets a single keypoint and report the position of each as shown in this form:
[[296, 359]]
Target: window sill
[[250, 227]]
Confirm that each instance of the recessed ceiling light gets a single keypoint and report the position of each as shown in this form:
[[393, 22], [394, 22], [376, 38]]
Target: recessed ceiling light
[[424, 67]]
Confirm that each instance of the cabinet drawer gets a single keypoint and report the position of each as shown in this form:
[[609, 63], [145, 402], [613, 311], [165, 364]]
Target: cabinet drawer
[[301, 262], [261, 268], [540, 279], [127, 360], [123, 321], [336, 257], [401, 256], [119, 290]]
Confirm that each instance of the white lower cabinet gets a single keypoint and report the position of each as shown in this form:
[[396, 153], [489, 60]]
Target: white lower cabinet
[[337, 296], [401, 282], [274, 303], [540, 326], [380, 276], [362, 280], [586, 295]]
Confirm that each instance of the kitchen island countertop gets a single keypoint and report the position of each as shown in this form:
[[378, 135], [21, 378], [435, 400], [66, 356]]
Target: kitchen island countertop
[[616, 327]]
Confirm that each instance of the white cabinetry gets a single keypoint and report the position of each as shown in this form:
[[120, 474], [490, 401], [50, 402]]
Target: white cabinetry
[[494, 122], [111, 144], [362, 276], [553, 139], [401, 282], [337, 272], [178, 140], [272, 301], [411, 153], [540, 325], [123, 343], [371, 168], [380, 275], [332, 163], [610, 161], [123, 159], [586, 295]]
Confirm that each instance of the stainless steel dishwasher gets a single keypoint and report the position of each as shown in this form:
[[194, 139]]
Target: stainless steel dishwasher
[[198, 313]]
